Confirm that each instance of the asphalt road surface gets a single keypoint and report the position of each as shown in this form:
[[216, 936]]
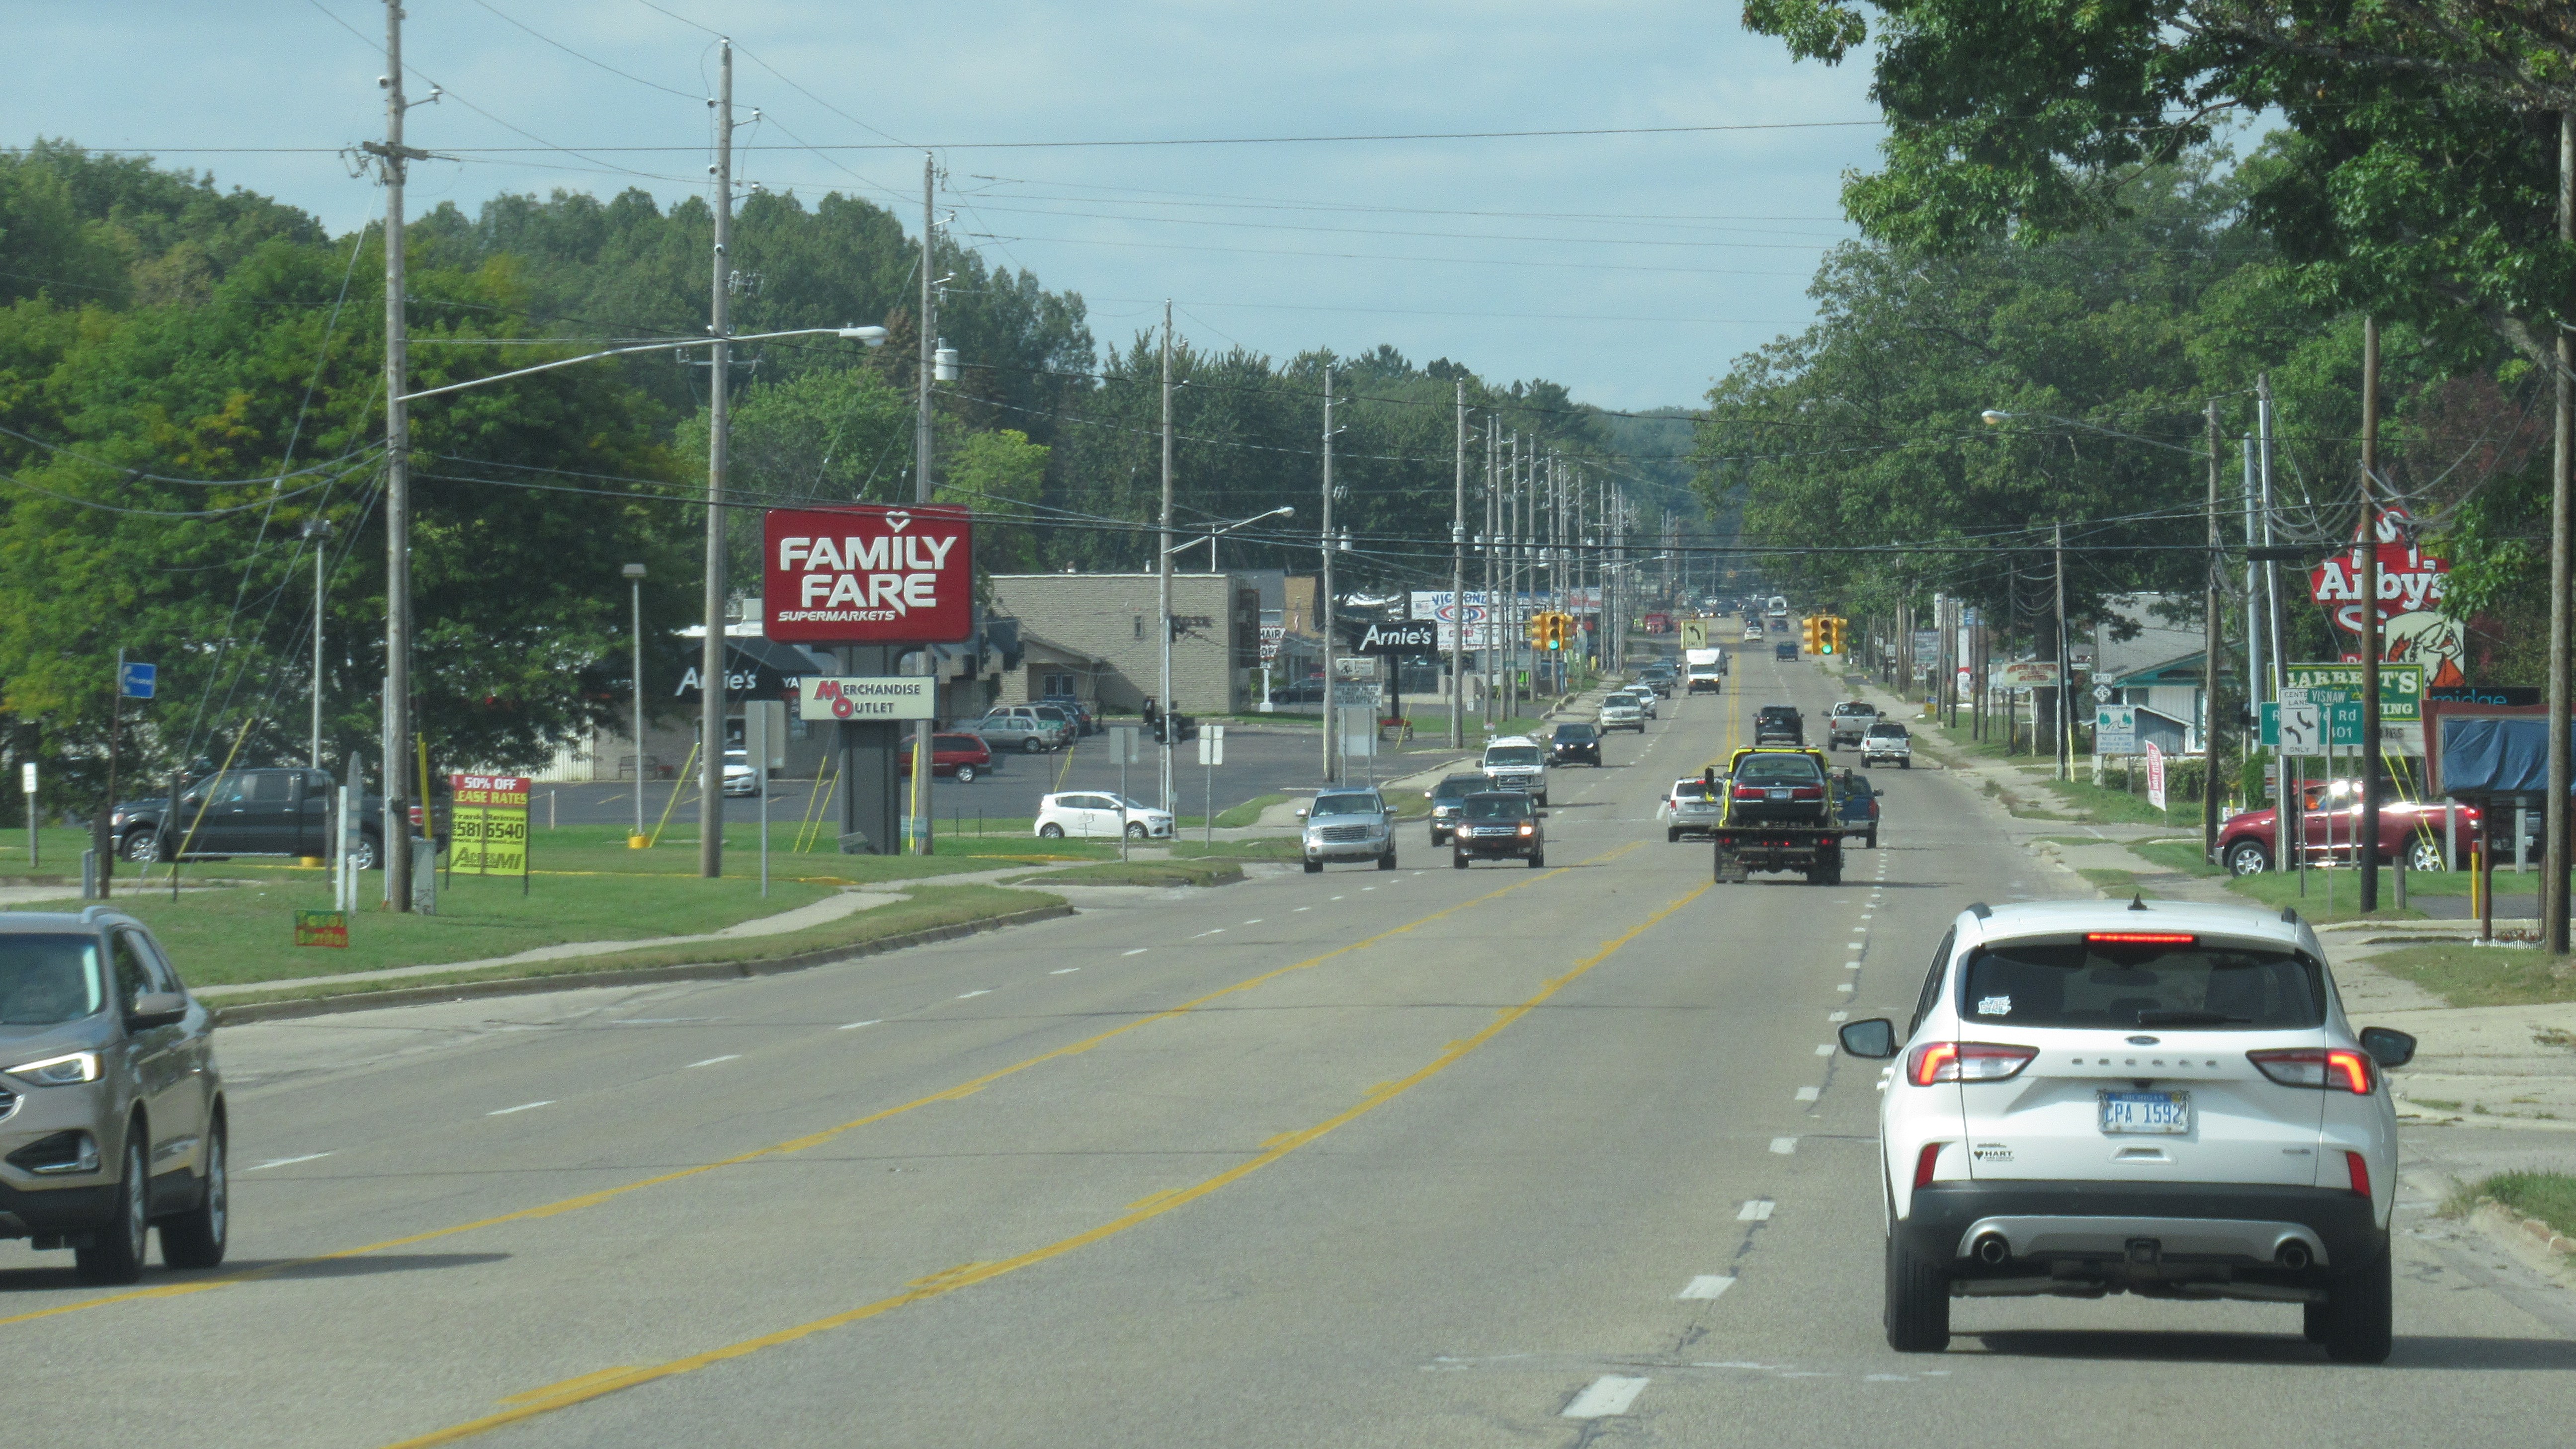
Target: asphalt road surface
[[1422, 1157], [1258, 761]]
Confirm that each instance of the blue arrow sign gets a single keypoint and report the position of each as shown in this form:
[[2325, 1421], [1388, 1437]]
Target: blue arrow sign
[[135, 681]]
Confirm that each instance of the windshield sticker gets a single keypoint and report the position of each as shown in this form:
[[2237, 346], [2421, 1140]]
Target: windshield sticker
[[1994, 1006]]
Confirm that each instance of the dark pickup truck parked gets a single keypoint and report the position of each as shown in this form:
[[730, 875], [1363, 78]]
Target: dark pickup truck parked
[[268, 811]]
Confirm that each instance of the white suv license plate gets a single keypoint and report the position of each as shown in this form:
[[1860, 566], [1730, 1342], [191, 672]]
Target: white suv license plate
[[2146, 1113]]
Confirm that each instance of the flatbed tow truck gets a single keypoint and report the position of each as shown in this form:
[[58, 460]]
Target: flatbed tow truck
[[1779, 817]]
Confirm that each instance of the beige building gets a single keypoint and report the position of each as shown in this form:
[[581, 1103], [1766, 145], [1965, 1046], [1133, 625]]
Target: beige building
[[1094, 636]]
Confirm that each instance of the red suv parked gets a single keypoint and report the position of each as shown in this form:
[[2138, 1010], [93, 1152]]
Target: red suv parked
[[2248, 844], [963, 756]]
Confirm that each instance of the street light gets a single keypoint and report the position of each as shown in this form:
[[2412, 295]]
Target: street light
[[397, 741], [635, 584], [1997, 417], [1280, 512]]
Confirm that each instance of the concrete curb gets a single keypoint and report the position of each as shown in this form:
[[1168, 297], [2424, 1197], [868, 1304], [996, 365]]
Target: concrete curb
[[634, 976]]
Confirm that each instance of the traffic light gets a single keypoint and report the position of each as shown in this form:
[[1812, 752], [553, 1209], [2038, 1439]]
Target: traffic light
[[1554, 625], [1537, 629], [1832, 631], [1813, 631]]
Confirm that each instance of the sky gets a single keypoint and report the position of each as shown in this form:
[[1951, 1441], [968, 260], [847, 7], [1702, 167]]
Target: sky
[[1631, 268]]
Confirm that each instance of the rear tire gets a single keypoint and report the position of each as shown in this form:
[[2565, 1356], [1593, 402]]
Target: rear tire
[[195, 1238], [117, 1256], [1905, 764], [2359, 1314], [1032, 745], [2248, 858], [1314, 867], [1051, 831], [2425, 855], [1917, 1314], [1873, 838], [1671, 835], [142, 847]]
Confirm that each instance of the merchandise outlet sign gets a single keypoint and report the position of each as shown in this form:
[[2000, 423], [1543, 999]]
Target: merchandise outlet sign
[[890, 697], [867, 574]]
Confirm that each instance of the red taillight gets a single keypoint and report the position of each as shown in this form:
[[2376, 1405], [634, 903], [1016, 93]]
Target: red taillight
[[2325, 1068], [1748, 793], [1965, 1061], [1808, 792], [2357, 1168], [2141, 938], [1929, 1158]]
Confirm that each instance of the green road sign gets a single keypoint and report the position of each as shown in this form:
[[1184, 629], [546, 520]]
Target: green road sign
[[2307, 729]]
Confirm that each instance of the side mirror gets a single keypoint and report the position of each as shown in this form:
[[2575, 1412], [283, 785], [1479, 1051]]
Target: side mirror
[[2388, 1047], [168, 1008], [1301, 812], [1426, 794], [1871, 1040], [1880, 791]]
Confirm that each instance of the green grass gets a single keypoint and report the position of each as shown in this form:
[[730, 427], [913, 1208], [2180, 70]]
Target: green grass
[[1145, 873], [2464, 975], [2183, 858], [1275, 847], [2548, 1196], [927, 908], [1248, 813]]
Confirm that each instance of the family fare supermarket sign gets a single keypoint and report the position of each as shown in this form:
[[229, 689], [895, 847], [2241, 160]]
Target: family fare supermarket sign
[[867, 574], [490, 814]]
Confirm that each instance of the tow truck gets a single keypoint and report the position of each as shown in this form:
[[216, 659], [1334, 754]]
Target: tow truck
[[1779, 817]]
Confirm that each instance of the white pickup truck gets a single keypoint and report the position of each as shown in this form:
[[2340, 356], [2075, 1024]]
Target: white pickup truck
[[1850, 720], [1887, 742], [1704, 669]]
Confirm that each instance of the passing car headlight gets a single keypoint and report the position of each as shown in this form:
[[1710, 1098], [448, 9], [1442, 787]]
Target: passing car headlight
[[62, 1071]]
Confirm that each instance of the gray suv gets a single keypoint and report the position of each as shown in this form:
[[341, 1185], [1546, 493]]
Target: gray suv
[[1020, 727], [111, 1108], [1348, 825]]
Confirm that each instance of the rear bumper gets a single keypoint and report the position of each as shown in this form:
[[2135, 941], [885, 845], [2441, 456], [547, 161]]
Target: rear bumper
[[2072, 1227]]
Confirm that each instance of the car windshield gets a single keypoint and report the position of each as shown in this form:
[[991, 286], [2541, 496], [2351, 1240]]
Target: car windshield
[[1350, 804], [1458, 787], [1498, 807], [1511, 755], [2100, 984], [1778, 770], [48, 979], [1577, 732]]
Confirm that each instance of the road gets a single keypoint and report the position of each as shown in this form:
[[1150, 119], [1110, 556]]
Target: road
[[1259, 760], [1423, 1157]]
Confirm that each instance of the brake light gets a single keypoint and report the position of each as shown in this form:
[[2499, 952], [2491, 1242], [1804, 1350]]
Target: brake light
[[1965, 1061], [2357, 1167], [1808, 792], [1928, 1159], [2325, 1068], [1748, 792], [2140, 938]]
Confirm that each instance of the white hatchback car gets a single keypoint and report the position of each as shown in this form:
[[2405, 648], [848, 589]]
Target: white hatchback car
[[1098, 813], [2161, 1098]]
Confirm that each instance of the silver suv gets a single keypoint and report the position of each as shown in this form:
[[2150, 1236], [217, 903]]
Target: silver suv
[[1349, 825], [111, 1109], [1020, 727]]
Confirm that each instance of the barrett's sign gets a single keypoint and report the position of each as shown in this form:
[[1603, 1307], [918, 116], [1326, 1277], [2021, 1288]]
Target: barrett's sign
[[868, 574]]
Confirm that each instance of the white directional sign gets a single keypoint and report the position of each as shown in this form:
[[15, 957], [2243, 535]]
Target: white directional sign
[[1212, 744], [2303, 729]]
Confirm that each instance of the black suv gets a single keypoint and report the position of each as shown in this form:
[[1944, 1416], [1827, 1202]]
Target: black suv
[[1779, 724], [1498, 825], [1446, 797], [1573, 742], [266, 811]]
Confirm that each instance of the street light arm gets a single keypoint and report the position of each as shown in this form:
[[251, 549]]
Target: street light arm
[[872, 336], [1997, 417], [1282, 510]]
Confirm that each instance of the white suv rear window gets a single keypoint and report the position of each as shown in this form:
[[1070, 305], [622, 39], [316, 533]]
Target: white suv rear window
[[2125, 986]]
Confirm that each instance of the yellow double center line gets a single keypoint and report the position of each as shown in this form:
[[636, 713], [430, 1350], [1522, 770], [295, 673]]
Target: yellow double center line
[[797, 1144], [570, 1392]]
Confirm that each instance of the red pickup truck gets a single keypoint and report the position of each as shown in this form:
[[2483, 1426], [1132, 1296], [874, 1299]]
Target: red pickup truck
[[2248, 844]]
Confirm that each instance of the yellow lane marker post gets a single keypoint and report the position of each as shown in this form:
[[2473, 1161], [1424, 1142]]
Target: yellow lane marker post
[[811, 1140], [964, 1275]]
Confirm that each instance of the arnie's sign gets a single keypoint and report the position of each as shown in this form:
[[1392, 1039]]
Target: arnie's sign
[[867, 574]]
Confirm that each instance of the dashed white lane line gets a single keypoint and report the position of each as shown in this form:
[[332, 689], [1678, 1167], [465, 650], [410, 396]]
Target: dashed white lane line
[[522, 1107], [1255, 921], [1307, 908], [1337, 898], [1785, 1146], [979, 991], [1846, 986], [855, 1025], [1851, 965], [1824, 1048], [1064, 970], [1605, 1396], [1139, 951], [287, 1161], [1755, 1210], [1837, 1016], [711, 1061], [1809, 1094], [1707, 1285], [1219, 931]]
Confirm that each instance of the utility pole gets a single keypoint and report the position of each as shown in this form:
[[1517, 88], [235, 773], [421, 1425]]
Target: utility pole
[[318, 533], [711, 658], [2253, 597], [2065, 675], [392, 158], [2554, 903], [2271, 569], [2366, 843], [918, 838], [1485, 545], [2212, 639], [1458, 585], [1332, 692], [1163, 558]]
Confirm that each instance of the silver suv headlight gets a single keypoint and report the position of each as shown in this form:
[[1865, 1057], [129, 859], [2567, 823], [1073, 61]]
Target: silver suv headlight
[[62, 1071]]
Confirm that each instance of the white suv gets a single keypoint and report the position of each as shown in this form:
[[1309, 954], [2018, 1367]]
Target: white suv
[[2161, 1098], [1517, 762]]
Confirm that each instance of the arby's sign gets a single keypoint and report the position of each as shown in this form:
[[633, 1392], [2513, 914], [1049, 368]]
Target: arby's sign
[[2412, 626], [868, 574]]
